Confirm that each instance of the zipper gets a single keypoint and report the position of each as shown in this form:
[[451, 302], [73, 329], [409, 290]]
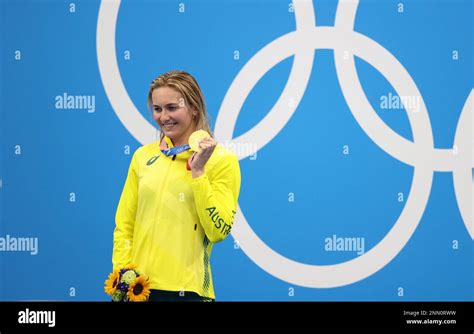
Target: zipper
[[158, 203]]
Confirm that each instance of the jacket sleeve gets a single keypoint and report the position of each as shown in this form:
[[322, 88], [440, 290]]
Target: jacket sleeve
[[125, 218], [215, 197]]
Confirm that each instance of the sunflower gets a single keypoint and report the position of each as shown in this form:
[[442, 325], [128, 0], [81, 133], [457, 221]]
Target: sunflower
[[111, 282], [139, 290]]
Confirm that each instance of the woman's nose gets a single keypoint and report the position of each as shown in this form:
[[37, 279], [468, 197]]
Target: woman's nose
[[164, 115]]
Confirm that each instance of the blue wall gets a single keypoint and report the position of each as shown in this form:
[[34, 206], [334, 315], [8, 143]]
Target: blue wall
[[321, 177]]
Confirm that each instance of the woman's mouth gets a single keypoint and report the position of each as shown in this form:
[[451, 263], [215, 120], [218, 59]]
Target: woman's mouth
[[169, 125]]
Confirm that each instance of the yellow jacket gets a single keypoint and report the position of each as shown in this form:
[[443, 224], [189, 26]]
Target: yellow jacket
[[167, 222]]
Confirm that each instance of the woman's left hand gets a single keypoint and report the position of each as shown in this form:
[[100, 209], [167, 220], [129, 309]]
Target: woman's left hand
[[200, 159]]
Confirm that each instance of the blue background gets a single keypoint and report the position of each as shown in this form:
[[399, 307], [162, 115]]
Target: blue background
[[355, 195]]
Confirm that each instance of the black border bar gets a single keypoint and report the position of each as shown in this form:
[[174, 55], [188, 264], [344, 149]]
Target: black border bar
[[431, 316]]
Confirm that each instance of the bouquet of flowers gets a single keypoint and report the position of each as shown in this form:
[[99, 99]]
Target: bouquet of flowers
[[127, 284]]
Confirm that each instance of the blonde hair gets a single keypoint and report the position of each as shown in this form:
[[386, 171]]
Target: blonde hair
[[188, 87]]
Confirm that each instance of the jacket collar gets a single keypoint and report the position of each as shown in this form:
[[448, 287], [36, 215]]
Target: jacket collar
[[168, 141]]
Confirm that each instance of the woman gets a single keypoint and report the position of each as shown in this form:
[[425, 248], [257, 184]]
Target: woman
[[176, 203]]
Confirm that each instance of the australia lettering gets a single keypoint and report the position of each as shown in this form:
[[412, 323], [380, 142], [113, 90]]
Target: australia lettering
[[219, 222]]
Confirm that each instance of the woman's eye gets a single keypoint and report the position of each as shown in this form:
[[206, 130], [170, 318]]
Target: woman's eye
[[172, 108], [157, 110]]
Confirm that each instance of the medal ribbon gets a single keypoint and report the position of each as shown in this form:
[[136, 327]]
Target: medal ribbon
[[176, 150], [173, 150]]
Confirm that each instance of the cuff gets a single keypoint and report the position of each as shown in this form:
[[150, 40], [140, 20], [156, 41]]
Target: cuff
[[197, 184]]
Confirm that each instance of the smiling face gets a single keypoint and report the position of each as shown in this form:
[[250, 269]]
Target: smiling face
[[172, 115]]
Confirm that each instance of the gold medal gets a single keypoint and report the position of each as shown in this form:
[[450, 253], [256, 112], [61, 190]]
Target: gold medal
[[195, 138]]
